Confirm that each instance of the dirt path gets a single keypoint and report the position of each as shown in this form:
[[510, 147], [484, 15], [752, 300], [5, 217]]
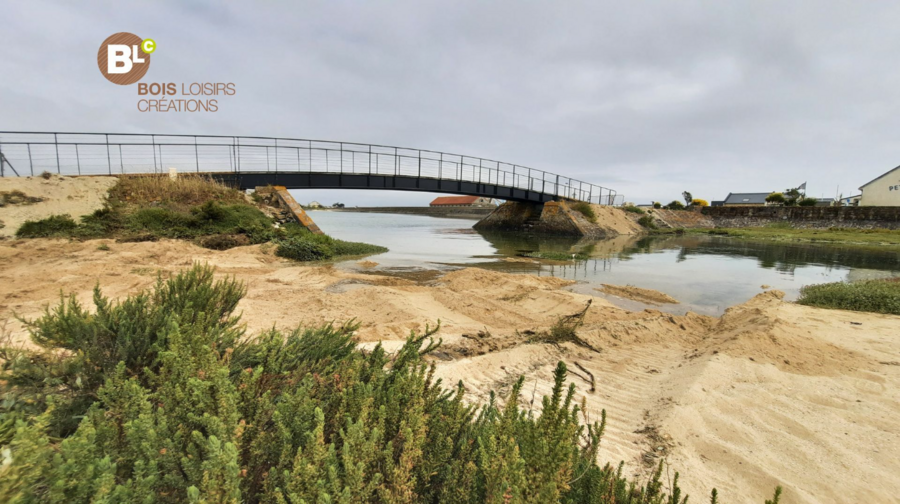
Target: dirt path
[[770, 393]]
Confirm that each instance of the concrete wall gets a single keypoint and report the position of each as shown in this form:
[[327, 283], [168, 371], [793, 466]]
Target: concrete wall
[[883, 192], [807, 217]]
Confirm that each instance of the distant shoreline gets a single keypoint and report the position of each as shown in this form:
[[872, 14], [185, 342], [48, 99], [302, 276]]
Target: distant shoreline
[[448, 212]]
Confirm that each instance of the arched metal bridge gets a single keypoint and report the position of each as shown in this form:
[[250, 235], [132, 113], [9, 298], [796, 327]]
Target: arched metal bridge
[[294, 163]]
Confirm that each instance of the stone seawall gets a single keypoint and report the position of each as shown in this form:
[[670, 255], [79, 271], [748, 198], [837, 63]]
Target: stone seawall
[[449, 212], [806, 217]]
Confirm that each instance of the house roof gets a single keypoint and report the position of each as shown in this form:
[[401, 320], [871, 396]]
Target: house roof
[[750, 198], [885, 174], [455, 200]]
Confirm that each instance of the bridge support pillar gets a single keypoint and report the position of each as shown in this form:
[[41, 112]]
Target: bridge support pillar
[[550, 218]]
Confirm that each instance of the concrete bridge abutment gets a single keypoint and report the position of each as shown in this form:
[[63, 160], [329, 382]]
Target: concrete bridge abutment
[[551, 218]]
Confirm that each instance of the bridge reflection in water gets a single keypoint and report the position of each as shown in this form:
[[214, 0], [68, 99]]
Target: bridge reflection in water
[[293, 163]]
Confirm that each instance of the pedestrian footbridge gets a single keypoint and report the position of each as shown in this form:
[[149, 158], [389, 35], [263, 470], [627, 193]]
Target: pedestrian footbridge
[[249, 162]]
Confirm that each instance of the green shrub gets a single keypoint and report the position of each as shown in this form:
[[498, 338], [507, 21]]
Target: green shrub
[[159, 398], [807, 202], [633, 209], [657, 205], [647, 222], [775, 197], [300, 244], [301, 248], [100, 224], [879, 296], [586, 210], [55, 225], [675, 205]]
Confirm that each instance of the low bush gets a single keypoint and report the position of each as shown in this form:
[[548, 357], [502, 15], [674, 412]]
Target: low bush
[[302, 248], [647, 222], [53, 226], [300, 244], [675, 205], [586, 210], [160, 398], [699, 202], [879, 296], [657, 205], [633, 209], [807, 202]]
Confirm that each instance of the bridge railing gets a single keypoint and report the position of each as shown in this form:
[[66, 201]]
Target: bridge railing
[[32, 153]]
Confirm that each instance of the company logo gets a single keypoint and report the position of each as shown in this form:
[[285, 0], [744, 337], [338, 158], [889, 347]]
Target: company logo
[[124, 58]]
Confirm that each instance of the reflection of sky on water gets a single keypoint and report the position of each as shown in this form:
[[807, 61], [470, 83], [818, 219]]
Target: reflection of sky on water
[[707, 274]]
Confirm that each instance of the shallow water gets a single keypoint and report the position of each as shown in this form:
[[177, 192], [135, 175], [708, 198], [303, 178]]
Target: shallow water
[[706, 274]]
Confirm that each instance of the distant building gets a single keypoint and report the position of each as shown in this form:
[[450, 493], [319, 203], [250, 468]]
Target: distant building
[[882, 191], [746, 199], [314, 204], [462, 201], [851, 200]]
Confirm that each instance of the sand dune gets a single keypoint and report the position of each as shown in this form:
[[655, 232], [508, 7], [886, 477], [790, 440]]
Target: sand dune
[[770, 393]]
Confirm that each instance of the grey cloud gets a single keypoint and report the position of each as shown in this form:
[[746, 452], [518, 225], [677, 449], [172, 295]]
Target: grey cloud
[[650, 98]]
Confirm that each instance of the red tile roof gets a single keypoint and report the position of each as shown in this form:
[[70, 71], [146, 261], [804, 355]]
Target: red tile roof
[[454, 200]]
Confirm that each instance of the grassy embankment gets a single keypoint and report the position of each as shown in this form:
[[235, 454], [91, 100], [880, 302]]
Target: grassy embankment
[[782, 232], [162, 398], [879, 296], [192, 208], [831, 235]]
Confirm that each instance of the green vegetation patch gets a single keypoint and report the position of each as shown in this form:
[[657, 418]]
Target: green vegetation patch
[[211, 218], [783, 232], [878, 296], [300, 244], [53, 226], [586, 210], [647, 222], [633, 209], [191, 208], [161, 398]]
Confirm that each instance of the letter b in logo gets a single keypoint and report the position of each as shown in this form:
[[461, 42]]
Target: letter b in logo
[[122, 60]]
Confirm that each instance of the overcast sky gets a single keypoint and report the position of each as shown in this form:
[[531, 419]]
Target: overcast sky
[[649, 98]]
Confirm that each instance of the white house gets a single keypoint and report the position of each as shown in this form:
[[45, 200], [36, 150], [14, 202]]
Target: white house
[[883, 190]]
